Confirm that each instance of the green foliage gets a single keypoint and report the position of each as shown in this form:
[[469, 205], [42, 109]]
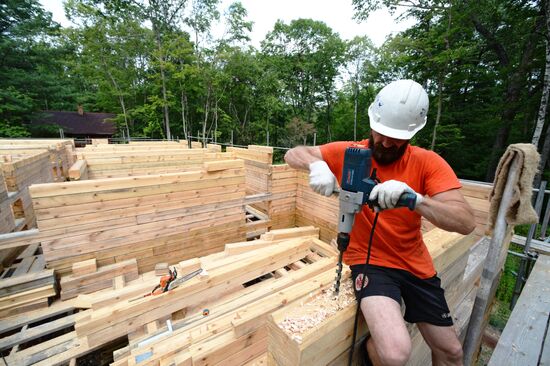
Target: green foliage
[[149, 62], [8, 130]]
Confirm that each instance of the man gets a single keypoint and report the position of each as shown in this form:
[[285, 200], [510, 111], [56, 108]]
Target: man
[[400, 265]]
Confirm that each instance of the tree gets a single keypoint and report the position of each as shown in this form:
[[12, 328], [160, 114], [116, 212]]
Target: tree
[[488, 42], [542, 116], [29, 67], [306, 55], [360, 56]]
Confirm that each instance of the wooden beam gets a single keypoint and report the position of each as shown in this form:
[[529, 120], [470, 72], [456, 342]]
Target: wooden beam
[[79, 170], [496, 256]]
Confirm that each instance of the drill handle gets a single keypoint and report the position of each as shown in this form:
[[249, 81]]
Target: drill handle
[[408, 200]]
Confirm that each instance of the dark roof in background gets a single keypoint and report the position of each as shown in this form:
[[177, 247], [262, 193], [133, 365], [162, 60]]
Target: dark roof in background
[[75, 124]]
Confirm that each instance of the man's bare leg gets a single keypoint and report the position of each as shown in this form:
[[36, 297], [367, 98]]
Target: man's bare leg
[[445, 346], [390, 343]]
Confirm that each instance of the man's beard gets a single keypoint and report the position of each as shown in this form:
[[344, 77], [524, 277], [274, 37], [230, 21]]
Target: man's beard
[[386, 155]]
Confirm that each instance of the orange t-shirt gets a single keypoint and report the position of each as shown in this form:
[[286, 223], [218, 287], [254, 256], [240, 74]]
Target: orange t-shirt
[[397, 241]]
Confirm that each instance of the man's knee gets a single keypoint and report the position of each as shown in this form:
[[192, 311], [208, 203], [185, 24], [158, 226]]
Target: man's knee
[[395, 354], [454, 352], [451, 352]]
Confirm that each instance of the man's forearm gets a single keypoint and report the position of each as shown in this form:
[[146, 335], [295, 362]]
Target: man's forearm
[[301, 156], [451, 216]]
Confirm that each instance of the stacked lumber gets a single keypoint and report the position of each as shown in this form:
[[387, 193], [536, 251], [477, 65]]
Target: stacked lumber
[[61, 152], [26, 292], [85, 280], [156, 218], [7, 220], [196, 145], [258, 161], [299, 330], [227, 311], [234, 330], [30, 338], [24, 267], [20, 171], [30, 259], [282, 205], [111, 161]]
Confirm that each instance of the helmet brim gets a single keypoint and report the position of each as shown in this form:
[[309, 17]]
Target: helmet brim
[[392, 132]]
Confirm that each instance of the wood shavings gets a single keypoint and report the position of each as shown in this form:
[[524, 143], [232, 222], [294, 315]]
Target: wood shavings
[[321, 307]]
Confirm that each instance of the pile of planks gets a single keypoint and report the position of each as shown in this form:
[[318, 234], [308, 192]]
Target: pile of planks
[[20, 171], [61, 152], [234, 280], [111, 160], [31, 338], [156, 218], [26, 285], [243, 284]]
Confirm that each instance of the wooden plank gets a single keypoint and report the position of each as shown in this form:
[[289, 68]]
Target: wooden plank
[[23, 267], [25, 282], [37, 332], [84, 267], [26, 297], [212, 166], [523, 336], [41, 350]]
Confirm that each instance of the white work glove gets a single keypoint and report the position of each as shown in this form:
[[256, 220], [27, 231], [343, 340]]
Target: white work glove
[[321, 179], [387, 194]]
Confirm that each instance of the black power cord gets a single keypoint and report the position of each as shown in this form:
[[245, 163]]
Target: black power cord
[[358, 310]]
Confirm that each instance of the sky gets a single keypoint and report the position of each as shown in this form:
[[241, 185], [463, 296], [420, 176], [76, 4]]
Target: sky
[[337, 14]]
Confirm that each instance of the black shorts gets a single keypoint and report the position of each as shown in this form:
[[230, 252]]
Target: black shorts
[[424, 299]]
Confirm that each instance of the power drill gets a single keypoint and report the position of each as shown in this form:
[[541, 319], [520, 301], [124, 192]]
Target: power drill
[[356, 185]]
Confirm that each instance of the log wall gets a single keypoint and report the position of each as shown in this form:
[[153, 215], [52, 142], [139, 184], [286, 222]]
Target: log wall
[[112, 161], [157, 218], [61, 153], [20, 171]]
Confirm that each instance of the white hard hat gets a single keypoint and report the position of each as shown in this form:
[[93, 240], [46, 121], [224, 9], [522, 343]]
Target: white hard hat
[[399, 110]]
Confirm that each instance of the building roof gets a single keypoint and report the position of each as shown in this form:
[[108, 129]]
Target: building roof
[[85, 124]]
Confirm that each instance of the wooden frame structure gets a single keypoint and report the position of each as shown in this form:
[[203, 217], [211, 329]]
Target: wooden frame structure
[[172, 217]]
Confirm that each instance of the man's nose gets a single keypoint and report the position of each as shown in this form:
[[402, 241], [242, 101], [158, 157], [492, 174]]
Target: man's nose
[[386, 142]]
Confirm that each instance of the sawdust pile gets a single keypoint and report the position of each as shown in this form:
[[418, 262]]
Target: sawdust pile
[[312, 313]]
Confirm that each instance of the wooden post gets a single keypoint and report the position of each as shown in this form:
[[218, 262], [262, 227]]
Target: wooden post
[[491, 271]]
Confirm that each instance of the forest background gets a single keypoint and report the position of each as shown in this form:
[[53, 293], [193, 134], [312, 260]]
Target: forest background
[[485, 65]]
